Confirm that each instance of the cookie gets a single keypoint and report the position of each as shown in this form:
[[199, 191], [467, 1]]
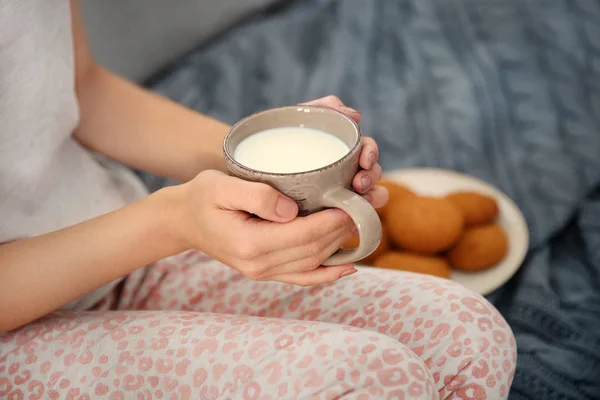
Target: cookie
[[411, 262], [383, 247], [395, 192], [424, 224], [477, 209], [479, 248]]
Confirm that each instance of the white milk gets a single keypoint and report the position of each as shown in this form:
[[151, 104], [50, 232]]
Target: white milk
[[289, 150]]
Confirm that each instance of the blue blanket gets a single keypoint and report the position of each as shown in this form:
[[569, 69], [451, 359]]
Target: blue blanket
[[506, 90]]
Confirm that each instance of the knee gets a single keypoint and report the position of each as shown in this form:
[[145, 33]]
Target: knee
[[481, 322], [480, 342], [363, 364]]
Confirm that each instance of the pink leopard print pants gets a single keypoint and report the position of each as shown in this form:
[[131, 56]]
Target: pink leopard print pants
[[189, 327]]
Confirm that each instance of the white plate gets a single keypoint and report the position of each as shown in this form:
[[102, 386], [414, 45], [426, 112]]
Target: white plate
[[439, 182]]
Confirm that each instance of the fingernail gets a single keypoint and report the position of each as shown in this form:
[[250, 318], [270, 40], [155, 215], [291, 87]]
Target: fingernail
[[286, 208], [348, 272], [348, 110], [365, 182], [372, 159]]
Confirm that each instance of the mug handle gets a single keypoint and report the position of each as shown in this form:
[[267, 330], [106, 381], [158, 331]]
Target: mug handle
[[366, 220]]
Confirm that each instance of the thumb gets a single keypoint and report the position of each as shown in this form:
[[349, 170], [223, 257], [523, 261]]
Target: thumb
[[256, 198]]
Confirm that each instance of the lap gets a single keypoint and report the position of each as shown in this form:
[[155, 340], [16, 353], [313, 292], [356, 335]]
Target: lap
[[187, 324], [458, 334], [178, 354]]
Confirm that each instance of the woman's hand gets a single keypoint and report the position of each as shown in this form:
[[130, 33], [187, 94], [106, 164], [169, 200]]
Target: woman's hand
[[213, 213], [365, 181]]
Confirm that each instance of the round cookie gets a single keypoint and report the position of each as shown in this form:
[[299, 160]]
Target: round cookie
[[383, 247], [424, 224], [479, 248], [477, 209], [411, 262], [395, 191]]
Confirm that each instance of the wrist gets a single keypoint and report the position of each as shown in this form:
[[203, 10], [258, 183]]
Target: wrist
[[170, 221], [209, 151]]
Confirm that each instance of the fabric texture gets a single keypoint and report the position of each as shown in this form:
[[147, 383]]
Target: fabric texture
[[505, 90], [41, 165], [190, 327]]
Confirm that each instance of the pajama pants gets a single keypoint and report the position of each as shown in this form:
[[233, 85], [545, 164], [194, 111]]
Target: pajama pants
[[190, 328]]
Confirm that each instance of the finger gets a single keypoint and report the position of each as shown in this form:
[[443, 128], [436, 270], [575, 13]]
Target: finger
[[330, 101], [369, 154], [300, 231], [256, 198], [378, 196], [306, 257], [352, 113], [319, 276], [365, 180], [335, 103]]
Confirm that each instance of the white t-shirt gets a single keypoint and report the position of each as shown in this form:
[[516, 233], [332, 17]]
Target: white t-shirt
[[48, 181]]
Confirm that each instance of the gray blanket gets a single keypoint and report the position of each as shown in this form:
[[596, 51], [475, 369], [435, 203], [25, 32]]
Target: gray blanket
[[506, 90]]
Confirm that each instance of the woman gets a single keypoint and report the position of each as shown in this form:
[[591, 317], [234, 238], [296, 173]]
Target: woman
[[100, 296]]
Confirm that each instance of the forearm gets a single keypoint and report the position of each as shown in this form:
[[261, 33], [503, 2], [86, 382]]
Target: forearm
[[43, 273], [144, 130]]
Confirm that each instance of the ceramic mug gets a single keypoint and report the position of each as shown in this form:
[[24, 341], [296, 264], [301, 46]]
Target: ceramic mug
[[316, 190]]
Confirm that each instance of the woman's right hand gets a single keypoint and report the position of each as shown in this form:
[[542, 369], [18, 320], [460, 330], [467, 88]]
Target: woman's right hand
[[213, 213]]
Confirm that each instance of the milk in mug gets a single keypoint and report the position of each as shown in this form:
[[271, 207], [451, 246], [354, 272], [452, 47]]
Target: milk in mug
[[289, 150]]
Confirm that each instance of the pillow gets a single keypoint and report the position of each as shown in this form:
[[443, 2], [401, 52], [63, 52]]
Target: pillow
[[135, 38]]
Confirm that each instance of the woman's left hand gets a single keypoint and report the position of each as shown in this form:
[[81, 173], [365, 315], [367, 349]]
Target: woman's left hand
[[365, 180]]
